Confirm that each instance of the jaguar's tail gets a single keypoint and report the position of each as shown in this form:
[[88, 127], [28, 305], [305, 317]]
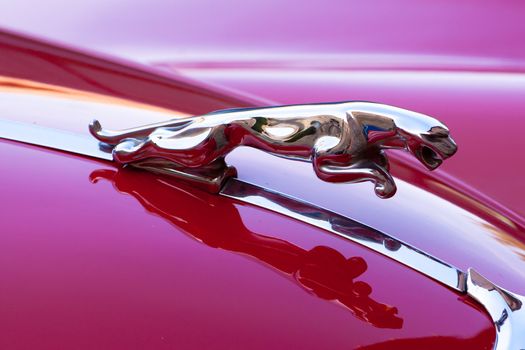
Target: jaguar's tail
[[114, 137]]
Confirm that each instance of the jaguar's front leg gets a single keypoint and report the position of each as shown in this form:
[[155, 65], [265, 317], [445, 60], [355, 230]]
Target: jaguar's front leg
[[361, 170]]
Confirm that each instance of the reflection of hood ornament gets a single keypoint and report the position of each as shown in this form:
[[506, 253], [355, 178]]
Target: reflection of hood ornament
[[344, 141], [322, 270]]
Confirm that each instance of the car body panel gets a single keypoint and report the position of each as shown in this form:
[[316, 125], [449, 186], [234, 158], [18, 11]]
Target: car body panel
[[96, 257], [40, 61]]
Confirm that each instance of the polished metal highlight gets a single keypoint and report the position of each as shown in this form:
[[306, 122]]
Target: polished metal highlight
[[347, 228], [52, 138], [506, 309], [345, 142]]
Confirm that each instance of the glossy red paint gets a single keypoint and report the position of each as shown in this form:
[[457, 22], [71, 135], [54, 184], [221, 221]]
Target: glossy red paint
[[95, 257], [29, 59]]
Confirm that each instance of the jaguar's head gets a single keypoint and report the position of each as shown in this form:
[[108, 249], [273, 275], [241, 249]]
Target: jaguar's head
[[391, 127], [432, 146]]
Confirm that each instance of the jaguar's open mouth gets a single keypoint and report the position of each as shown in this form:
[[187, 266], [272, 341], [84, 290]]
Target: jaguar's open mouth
[[429, 157]]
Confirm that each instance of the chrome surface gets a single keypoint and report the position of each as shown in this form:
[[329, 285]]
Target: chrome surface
[[506, 309], [349, 229], [345, 142], [52, 138]]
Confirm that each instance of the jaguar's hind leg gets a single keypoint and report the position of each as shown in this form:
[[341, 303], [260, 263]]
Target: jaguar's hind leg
[[210, 178], [131, 150], [185, 154]]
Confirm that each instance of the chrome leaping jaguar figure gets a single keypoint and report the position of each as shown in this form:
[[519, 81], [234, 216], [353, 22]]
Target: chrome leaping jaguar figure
[[345, 142]]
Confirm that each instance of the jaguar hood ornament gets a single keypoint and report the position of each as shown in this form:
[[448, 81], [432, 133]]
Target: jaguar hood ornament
[[345, 142]]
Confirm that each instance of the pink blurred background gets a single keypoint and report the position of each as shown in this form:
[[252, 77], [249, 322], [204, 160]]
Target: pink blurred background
[[439, 33]]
